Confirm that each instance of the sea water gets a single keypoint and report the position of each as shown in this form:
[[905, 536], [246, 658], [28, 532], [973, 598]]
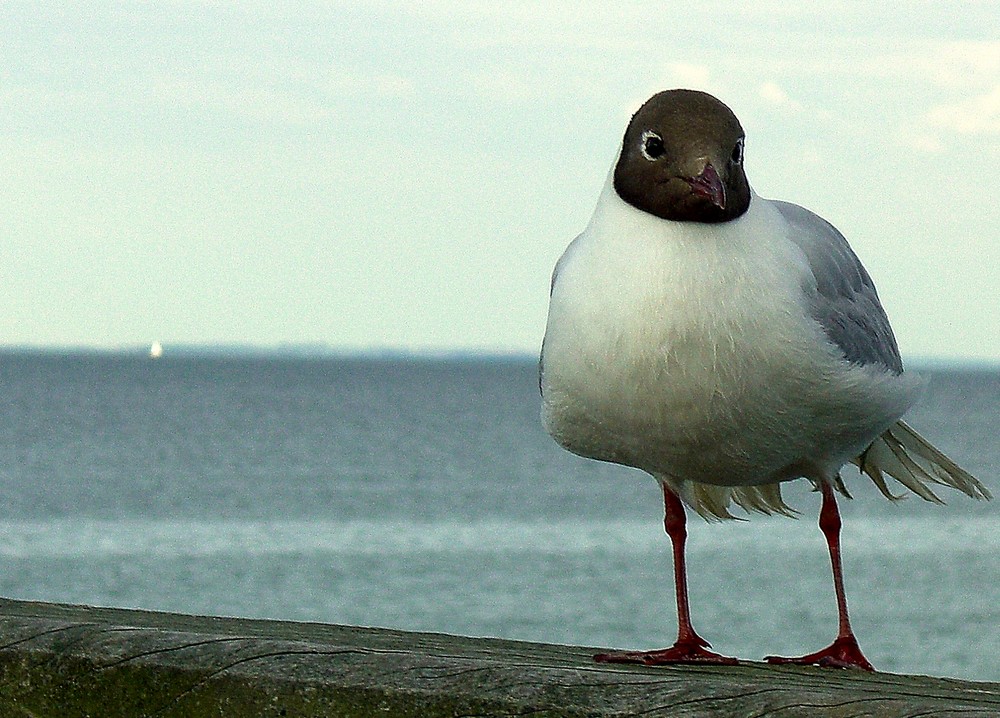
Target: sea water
[[422, 494]]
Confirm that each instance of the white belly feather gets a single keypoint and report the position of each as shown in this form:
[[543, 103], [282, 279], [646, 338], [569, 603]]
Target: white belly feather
[[687, 350]]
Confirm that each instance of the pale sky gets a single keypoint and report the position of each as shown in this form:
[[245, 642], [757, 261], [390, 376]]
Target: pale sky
[[405, 175]]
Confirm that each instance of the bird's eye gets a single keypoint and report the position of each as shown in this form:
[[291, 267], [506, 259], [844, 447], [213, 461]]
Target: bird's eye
[[737, 156], [652, 145]]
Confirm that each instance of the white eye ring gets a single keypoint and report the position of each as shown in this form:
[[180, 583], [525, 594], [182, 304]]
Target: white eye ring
[[651, 146], [737, 156]]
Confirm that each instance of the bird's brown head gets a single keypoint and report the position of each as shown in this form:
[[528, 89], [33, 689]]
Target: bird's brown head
[[682, 159]]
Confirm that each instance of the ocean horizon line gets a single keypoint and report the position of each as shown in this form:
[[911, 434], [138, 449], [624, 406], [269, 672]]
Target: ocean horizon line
[[322, 350]]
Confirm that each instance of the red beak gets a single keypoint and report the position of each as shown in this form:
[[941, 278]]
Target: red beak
[[709, 185]]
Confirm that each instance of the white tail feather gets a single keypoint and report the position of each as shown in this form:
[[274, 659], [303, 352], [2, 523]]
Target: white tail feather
[[899, 452], [712, 502], [912, 461]]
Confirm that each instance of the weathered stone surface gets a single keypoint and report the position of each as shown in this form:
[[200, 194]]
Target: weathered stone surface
[[68, 661]]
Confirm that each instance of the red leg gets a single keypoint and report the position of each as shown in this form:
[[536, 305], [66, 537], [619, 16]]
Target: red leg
[[690, 647], [844, 652]]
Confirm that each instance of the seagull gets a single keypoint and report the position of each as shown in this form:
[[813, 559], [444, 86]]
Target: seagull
[[725, 343]]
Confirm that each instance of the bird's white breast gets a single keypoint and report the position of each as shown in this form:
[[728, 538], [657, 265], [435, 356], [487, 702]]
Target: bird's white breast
[[687, 350]]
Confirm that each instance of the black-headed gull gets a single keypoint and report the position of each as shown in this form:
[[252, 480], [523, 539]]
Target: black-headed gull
[[725, 343]]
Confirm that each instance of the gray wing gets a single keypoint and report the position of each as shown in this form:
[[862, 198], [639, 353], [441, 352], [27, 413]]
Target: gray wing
[[845, 302]]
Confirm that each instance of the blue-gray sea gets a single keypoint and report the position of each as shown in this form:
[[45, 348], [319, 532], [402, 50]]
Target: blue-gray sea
[[423, 494]]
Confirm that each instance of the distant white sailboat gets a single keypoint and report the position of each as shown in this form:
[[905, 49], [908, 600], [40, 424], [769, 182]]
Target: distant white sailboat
[[155, 350]]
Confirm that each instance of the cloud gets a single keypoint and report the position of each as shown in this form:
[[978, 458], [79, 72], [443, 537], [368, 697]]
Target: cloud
[[977, 115], [382, 84], [958, 82], [770, 92], [238, 98], [962, 64], [925, 142], [694, 77], [955, 65]]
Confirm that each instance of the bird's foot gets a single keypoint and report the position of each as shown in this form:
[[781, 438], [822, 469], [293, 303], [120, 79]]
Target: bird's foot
[[842, 653], [684, 651]]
